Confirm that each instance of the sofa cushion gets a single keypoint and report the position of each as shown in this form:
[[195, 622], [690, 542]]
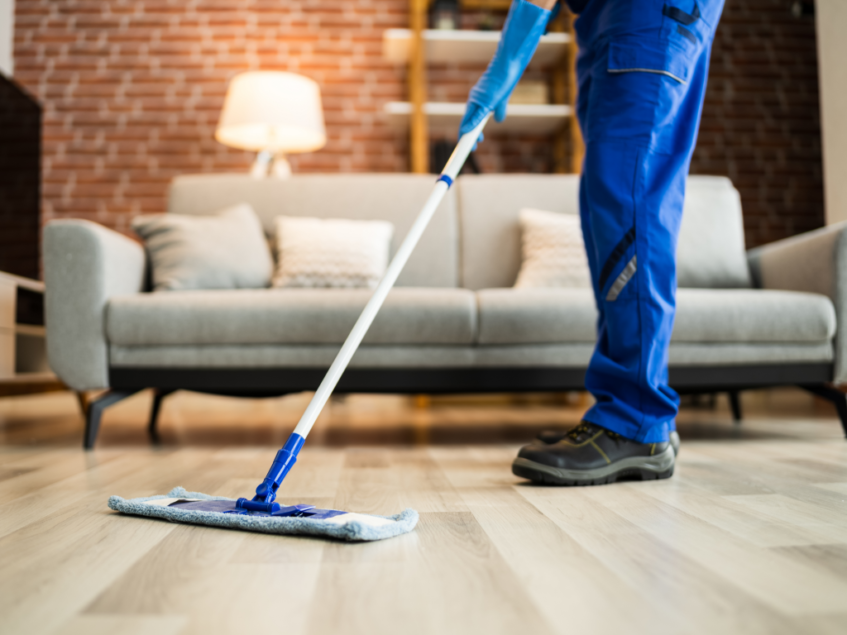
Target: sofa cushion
[[289, 316], [227, 250], [536, 316], [542, 316], [553, 251], [746, 315], [331, 252], [489, 205], [396, 198], [710, 251]]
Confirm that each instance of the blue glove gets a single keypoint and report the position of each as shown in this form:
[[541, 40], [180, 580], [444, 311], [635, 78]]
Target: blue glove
[[525, 25]]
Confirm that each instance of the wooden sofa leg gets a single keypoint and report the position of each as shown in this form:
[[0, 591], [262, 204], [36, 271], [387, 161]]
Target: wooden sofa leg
[[735, 405], [94, 413], [833, 394], [82, 399], [159, 395]]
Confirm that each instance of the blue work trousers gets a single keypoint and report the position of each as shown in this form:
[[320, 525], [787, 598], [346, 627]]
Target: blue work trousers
[[641, 73]]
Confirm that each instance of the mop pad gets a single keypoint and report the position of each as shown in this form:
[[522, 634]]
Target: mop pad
[[303, 520]]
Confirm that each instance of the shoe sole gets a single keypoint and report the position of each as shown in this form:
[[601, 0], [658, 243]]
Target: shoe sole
[[674, 441], [647, 468]]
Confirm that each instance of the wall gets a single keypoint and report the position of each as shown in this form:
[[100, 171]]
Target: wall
[[7, 25], [132, 91], [832, 52], [761, 122]]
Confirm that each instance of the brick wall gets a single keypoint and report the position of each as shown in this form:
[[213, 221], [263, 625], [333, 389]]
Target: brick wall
[[132, 90], [761, 120]]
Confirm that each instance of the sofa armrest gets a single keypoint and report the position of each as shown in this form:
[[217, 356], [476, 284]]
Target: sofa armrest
[[85, 264], [814, 262]]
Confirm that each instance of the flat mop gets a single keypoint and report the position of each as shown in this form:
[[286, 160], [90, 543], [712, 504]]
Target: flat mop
[[262, 513]]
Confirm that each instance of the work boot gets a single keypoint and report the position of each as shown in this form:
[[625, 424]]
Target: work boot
[[592, 455], [554, 436]]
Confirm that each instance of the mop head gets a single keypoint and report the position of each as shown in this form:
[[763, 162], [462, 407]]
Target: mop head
[[201, 509]]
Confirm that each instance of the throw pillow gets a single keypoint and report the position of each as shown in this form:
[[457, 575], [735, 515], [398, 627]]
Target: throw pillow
[[553, 251], [224, 251], [327, 252]]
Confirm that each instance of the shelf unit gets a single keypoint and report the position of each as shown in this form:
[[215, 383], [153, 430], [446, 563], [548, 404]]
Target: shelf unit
[[23, 351], [466, 47], [418, 46], [444, 117]]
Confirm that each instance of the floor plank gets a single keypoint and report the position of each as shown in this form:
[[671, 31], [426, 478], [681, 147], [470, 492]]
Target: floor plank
[[697, 598], [124, 624], [786, 586], [449, 583]]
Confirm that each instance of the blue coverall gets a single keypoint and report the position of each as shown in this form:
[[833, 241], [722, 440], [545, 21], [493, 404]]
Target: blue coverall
[[641, 73]]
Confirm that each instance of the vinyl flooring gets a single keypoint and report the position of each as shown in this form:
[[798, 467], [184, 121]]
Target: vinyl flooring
[[749, 536]]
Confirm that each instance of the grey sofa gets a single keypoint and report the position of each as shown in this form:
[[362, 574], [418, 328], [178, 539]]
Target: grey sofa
[[771, 316]]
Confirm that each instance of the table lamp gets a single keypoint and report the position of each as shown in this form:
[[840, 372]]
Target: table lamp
[[272, 113]]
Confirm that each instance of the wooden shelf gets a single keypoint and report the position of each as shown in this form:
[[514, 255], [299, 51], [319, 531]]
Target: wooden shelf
[[444, 118], [26, 283], [471, 47], [418, 47], [23, 352], [45, 377], [30, 329]]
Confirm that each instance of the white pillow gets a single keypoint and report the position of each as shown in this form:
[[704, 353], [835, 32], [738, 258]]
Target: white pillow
[[553, 251], [328, 252], [225, 251]]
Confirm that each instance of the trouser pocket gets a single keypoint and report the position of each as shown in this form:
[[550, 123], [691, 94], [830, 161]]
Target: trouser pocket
[[638, 91]]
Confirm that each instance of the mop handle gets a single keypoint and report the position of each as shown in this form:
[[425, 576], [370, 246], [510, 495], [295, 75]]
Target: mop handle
[[287, 456], [448, 175]]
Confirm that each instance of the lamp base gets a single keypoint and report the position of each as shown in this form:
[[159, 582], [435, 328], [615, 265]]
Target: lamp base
[[268, 163]]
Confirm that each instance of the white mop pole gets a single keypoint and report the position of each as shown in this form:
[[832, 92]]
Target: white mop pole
[[351, 344]]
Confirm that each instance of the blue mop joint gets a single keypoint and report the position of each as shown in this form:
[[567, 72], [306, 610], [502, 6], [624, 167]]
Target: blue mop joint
[[265, 496]]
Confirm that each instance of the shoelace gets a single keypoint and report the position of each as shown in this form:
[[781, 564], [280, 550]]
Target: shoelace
[[588, 429]]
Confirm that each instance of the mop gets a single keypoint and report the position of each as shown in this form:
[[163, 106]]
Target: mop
[[262, 513]]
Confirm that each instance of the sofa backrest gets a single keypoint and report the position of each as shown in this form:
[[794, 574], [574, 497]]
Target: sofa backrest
[[710, 252], [711, 242], [396, 198], [490, 237]]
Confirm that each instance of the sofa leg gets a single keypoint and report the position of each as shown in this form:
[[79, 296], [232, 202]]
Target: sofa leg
[[735, 405], [159, 395], [831, 393], [95, 410], [82, 399]]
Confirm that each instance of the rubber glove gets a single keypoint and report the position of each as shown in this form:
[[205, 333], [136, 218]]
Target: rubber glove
[[525, 25]]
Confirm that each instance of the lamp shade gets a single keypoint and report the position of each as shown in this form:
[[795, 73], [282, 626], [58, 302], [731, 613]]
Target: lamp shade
[[274, 111]]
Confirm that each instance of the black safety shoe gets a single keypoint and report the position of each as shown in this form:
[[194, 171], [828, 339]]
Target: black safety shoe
[[591, 455], [554, 436]]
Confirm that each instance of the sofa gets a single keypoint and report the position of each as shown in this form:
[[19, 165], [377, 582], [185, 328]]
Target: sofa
[[771, 316]]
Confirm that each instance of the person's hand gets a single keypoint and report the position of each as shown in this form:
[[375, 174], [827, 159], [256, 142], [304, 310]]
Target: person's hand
[[474, 114], [524, 27]]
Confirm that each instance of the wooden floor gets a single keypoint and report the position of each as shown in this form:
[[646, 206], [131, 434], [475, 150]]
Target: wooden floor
[[749, 536]]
